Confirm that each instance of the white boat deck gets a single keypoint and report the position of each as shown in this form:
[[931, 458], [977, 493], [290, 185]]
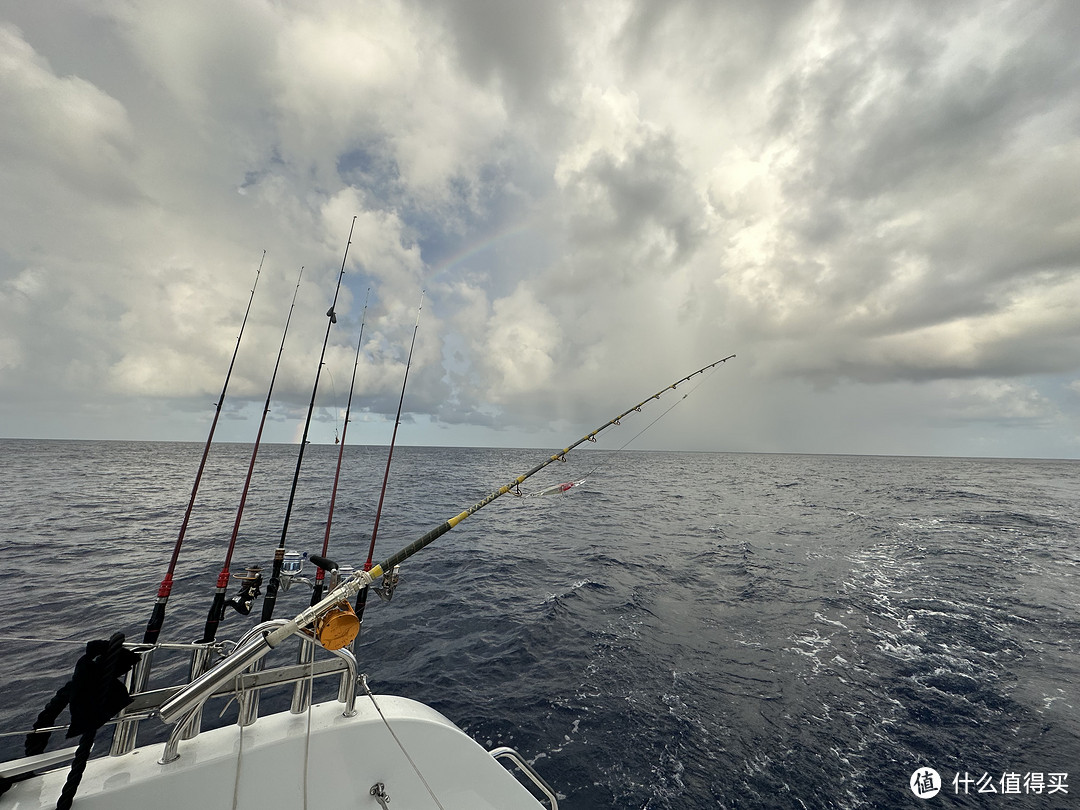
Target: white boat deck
[[293, 761]]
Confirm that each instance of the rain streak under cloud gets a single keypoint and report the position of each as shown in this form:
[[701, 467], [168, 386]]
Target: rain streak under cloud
[[872, 204]]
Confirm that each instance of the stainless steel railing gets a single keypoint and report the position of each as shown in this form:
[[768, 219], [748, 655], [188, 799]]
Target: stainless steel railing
[[506, 752], [187, 700]]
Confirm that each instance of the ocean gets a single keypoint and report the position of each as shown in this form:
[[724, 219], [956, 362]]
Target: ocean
[[684, 630]]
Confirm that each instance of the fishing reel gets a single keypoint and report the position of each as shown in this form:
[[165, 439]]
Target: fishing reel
[[390, 582], [292, 564], [250, 582], [338, 626]]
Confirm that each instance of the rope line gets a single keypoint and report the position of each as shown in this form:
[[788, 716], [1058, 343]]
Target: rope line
[[367, 691], [307, 731], [239, 696]]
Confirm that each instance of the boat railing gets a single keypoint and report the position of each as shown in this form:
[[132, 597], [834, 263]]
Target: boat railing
[[246, 688], [508, 753], [30, 764]]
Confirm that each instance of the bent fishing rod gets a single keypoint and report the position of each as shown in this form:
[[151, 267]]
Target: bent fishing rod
[[564, 487], [243, 606], [361, 599], [279, 553], [157, 616], [316, 591], [191, 696]]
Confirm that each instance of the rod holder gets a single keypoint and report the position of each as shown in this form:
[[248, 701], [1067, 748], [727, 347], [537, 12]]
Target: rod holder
[[195, 693]]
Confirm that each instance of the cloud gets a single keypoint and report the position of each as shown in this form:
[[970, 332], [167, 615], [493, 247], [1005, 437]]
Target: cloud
[[627, 186], [854, 198], [517, 48], [894, 204], [72, 137], [522, 335], [998, 402]]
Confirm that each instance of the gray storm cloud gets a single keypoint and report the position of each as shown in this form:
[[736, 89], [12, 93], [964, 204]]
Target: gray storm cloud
[[872, 204]]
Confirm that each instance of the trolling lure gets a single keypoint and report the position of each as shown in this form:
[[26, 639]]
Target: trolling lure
[[157, 616], [253, 579], [260, 644], [279, 553], [558, 489]]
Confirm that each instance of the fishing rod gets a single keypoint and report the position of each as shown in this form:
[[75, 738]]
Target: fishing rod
[[217, 607], [260, 644], [157, 616], [279, 554], [316, 591], [409, 550], [361, 599]]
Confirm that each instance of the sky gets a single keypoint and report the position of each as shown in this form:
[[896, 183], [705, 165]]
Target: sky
[[873, 205]]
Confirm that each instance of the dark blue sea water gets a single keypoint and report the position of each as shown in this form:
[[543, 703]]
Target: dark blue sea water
[[683, 631]]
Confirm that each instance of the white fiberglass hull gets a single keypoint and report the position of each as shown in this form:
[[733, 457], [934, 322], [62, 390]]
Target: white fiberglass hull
[[321, 759]]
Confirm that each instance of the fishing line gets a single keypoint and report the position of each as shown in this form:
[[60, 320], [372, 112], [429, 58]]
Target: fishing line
[[137, 646], [334, 399], [387, 565], [53, 641], [637, 435], [279, 553]]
